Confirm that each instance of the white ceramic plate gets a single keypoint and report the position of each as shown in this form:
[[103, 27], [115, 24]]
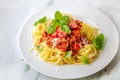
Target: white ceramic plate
[[94, 17]]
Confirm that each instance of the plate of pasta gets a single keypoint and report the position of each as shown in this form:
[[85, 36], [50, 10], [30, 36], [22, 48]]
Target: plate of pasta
[[68, 42]]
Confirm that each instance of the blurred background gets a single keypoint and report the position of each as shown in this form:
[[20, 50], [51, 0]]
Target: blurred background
[[13, 13]]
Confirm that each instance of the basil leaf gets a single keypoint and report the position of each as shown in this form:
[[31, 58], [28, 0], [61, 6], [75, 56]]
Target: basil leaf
[[58, 15], [61, 21], [84, 60], [55, 22], [38, 48], [42, 20], [64, 25], [27, 67], [99, 41], [51, 29], [65, 20], [68, 54], [65, 28]]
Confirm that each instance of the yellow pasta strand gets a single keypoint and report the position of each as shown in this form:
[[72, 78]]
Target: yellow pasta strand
[[55, 56], [89, 32]]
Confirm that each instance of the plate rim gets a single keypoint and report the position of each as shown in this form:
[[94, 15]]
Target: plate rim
[[29, 17]]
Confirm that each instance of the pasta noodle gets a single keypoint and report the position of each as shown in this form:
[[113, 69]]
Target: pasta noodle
[[54, 54], [89, 32]]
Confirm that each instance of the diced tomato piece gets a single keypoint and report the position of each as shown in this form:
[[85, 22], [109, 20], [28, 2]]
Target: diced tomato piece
[[72, 24], [54, 35], [73, 53], [58, 30], [59, 33], [76, 47], [73, 39], [40, 40], [75, 32]]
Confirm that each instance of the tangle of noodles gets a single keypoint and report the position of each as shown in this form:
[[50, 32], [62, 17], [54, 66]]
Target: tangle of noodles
[[89, 32], [56, 56]]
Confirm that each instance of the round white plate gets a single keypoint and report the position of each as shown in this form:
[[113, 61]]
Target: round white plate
[[93, 16]]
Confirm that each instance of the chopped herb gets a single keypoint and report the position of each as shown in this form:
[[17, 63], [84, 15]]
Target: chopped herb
[[38, 48], [68, 54], [84, 60], [42, 20]]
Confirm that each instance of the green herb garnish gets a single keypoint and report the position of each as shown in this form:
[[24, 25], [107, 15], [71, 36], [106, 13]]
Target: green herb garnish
[[99, 41], [51, 29], [65, 19], [65, 28], [58, 15], [61, 21], [68, 54], [42, 20], [38, 48], [84, 60], [27, 67]]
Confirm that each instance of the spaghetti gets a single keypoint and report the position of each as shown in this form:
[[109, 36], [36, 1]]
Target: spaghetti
[[64, 40]]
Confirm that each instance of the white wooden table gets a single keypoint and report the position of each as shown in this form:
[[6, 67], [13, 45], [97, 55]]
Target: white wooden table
[[12, 15]]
